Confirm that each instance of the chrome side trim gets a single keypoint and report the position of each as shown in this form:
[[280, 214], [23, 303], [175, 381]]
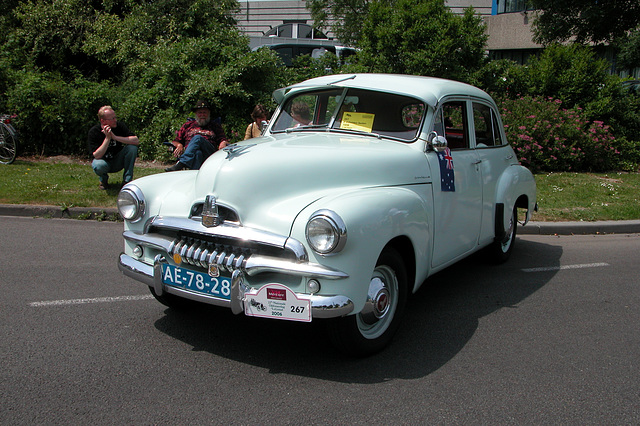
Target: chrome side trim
[[322, 306]]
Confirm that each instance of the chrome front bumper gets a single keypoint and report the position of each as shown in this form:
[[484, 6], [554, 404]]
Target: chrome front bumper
[[321, 306]]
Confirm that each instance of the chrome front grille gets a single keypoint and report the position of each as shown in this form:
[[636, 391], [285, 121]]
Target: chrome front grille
[[230, 247], [202, 253]]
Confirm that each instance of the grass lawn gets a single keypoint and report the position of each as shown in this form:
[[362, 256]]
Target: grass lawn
[[61, 181], [588, 196], [65, 182]]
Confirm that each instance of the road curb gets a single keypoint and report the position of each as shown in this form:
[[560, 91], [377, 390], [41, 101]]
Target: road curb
[[581, 228], [88, 213], [532, 228]]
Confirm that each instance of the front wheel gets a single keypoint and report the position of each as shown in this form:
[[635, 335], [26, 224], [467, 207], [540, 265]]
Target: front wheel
[[370, 330]]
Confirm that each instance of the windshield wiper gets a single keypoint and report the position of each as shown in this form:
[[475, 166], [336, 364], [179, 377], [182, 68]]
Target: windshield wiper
[[356, 132], [306, 126]]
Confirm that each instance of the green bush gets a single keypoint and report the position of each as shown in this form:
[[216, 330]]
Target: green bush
[[53, 116], [574, 75], [548, 137], [503, 78]]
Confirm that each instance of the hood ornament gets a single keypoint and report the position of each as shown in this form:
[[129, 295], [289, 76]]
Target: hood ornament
[[210, 215], [235, 150]]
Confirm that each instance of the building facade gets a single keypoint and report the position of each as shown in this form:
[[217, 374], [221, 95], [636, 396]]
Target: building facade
[[257, 17], [509, 25]]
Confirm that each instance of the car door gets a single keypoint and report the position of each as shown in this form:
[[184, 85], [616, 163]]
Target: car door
[[457, 184], [494, 155]]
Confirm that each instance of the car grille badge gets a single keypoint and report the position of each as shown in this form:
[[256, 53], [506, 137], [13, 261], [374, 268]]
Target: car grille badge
[[210, 215], [213, 270]]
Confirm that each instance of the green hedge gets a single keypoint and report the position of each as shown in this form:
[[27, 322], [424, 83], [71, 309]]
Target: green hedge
[[548, 137]]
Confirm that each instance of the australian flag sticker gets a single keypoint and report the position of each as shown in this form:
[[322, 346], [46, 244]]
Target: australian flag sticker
[[447, 180]]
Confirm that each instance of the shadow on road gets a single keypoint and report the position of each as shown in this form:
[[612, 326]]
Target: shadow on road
[[439, 321]]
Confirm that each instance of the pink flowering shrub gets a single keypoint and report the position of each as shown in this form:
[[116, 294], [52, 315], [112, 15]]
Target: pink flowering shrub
[[547, 137]]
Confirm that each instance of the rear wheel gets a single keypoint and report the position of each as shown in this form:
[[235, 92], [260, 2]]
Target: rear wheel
[[8, 145], [370, 330], [500, 250]]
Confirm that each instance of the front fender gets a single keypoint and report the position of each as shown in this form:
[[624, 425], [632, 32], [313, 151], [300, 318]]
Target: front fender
[[374, 217], [168, 194]]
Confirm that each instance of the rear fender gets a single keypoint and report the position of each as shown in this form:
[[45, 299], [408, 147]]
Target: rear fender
[[516, 188]]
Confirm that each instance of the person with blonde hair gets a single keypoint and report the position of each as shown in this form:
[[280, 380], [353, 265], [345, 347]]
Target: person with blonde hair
[[113, 147]]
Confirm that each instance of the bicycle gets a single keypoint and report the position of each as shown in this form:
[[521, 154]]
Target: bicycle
[[8, 139]]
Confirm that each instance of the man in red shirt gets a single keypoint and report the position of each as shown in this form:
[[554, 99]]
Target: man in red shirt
[[197, 139]]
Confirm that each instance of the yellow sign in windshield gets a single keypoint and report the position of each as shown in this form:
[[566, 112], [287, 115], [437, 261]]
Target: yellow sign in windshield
[[361, 121]]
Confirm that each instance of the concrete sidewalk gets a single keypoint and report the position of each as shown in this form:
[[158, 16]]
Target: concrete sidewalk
[[532, 228]]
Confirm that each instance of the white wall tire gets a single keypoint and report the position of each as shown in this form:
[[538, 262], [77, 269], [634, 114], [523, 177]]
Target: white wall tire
[[370, 330]]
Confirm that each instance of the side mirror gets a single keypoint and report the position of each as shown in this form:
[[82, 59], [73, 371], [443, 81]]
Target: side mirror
[[263, 126], [435, 142]]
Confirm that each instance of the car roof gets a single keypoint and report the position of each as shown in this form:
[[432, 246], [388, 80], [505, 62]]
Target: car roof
[[429, 89]]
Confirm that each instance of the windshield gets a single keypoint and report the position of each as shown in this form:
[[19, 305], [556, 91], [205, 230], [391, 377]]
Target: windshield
[[352, 110]]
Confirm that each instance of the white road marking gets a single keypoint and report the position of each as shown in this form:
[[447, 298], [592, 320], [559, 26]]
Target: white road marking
[[93, 300], [558, 268]]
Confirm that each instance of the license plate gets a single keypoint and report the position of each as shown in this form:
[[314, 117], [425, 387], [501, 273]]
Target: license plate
[[197, 282], [278, 302]]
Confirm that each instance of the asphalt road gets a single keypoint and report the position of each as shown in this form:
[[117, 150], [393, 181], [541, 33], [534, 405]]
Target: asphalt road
[[551, 337]]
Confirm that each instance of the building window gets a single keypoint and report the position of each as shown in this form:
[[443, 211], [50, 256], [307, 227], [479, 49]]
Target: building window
[[509, 6]]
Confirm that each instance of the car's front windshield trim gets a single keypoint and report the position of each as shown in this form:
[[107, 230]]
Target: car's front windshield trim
[[370, 112]]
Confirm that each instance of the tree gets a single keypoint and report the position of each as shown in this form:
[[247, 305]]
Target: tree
[[344, 17], [422, 38], [587, 21], [60, 60], [571, 73], [629, 56]]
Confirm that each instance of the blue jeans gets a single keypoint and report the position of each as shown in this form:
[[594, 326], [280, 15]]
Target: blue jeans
[[198, 150], [125, 159]]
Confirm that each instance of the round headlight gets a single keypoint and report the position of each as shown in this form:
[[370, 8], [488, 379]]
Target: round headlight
[[131, 203], [326, 232]]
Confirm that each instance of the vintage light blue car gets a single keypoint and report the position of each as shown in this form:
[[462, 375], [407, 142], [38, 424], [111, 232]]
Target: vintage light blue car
[[361, 187]]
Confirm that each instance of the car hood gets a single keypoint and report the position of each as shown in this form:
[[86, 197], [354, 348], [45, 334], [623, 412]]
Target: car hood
[[269, 180]]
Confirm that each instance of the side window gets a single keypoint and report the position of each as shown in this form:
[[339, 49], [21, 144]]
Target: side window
[[451, 121], [285, 30], [483, 125], [497, 134], [486, 126]]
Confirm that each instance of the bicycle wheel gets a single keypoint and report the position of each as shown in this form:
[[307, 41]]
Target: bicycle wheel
[[8, 144]]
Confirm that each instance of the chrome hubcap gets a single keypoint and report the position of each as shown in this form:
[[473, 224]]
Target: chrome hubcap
[[380, 306]]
